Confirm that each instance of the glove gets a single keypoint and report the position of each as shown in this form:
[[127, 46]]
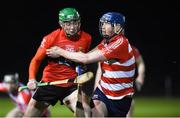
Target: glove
[[32, 84]]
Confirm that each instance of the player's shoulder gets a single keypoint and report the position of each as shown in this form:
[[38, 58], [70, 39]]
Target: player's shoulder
[[135, 48], [54, 32], [85, 34], [123, 37], [52, 35], [119, 39]]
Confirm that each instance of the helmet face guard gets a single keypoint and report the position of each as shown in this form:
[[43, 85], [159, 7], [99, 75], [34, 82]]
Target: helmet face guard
[[114, 19], [71, 28]]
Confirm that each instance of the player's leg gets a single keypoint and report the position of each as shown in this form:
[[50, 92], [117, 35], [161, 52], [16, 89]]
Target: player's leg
[[46, 113], [70, 100], [99, 109], [87, 91], [15, 112], [86, 104], [35, 108], [79, 107], [130, 113], [108, 107], [42, 98]]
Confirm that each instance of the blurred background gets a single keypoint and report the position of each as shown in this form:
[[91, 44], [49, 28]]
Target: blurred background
[[151, 27]]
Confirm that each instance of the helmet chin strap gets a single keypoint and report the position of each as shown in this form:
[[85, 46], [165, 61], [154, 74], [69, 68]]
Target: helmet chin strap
[[75, 35], [72, 36], [116, 29], [107, 37]]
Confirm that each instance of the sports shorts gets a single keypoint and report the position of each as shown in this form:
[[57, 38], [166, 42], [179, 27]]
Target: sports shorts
[[116, 108], [51, 94]]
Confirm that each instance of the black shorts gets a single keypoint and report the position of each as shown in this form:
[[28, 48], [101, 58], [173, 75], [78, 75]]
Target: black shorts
[[51, 94]]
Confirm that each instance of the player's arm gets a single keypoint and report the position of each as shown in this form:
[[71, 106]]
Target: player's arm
[[2, 87], [80, 57], [36, 62], [34, 67], [141, 72]]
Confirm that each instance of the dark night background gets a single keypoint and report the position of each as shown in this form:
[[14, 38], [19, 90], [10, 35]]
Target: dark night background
[[151, 26]]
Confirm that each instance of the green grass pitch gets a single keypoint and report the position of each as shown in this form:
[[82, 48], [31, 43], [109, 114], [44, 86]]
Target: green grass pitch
[[144, 106]]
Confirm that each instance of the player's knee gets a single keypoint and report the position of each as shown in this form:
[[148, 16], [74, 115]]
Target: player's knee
[[66, 102], [32, 103]]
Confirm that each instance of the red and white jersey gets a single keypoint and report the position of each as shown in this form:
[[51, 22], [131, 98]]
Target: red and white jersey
[[3, 87], [21, 99], [55, 71], [119, 69]]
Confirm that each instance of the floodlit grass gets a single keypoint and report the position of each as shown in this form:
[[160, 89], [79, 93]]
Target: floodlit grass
[[144, 106], [5, 106], [60, 111], [159, 107], [56, 111]]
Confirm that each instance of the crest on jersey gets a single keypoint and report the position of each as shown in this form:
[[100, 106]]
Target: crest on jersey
[[70, 48]]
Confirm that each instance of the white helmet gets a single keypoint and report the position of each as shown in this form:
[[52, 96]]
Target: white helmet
[[11, 78]]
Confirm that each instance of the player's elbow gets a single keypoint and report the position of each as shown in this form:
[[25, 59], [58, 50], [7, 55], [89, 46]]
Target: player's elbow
[[36, 61], [85, 62], [85, 59]]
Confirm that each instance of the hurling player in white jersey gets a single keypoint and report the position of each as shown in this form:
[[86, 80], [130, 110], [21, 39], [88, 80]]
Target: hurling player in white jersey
[[113, 92], [139, 76], [21, 99]]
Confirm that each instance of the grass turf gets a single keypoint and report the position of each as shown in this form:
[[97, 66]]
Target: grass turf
[[157, 107], [144, 106]]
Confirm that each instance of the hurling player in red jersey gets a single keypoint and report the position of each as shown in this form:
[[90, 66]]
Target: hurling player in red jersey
[[139, 76], [21, 99], [113, 93], [71, 38]]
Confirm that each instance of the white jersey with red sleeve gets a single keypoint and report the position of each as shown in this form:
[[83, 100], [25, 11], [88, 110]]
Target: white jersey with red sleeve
[[119, 69], [21, 99]]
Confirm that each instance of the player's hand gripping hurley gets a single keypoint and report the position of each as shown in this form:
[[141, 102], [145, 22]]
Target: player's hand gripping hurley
[[78, 80]]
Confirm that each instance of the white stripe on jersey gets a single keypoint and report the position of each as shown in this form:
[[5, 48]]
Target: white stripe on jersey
[[43, 43], [108, 49], [116, 87], [127, 63], [117, 43], [118, 74], [129, 48], [22, 103], [117, 98], [21, 99]]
